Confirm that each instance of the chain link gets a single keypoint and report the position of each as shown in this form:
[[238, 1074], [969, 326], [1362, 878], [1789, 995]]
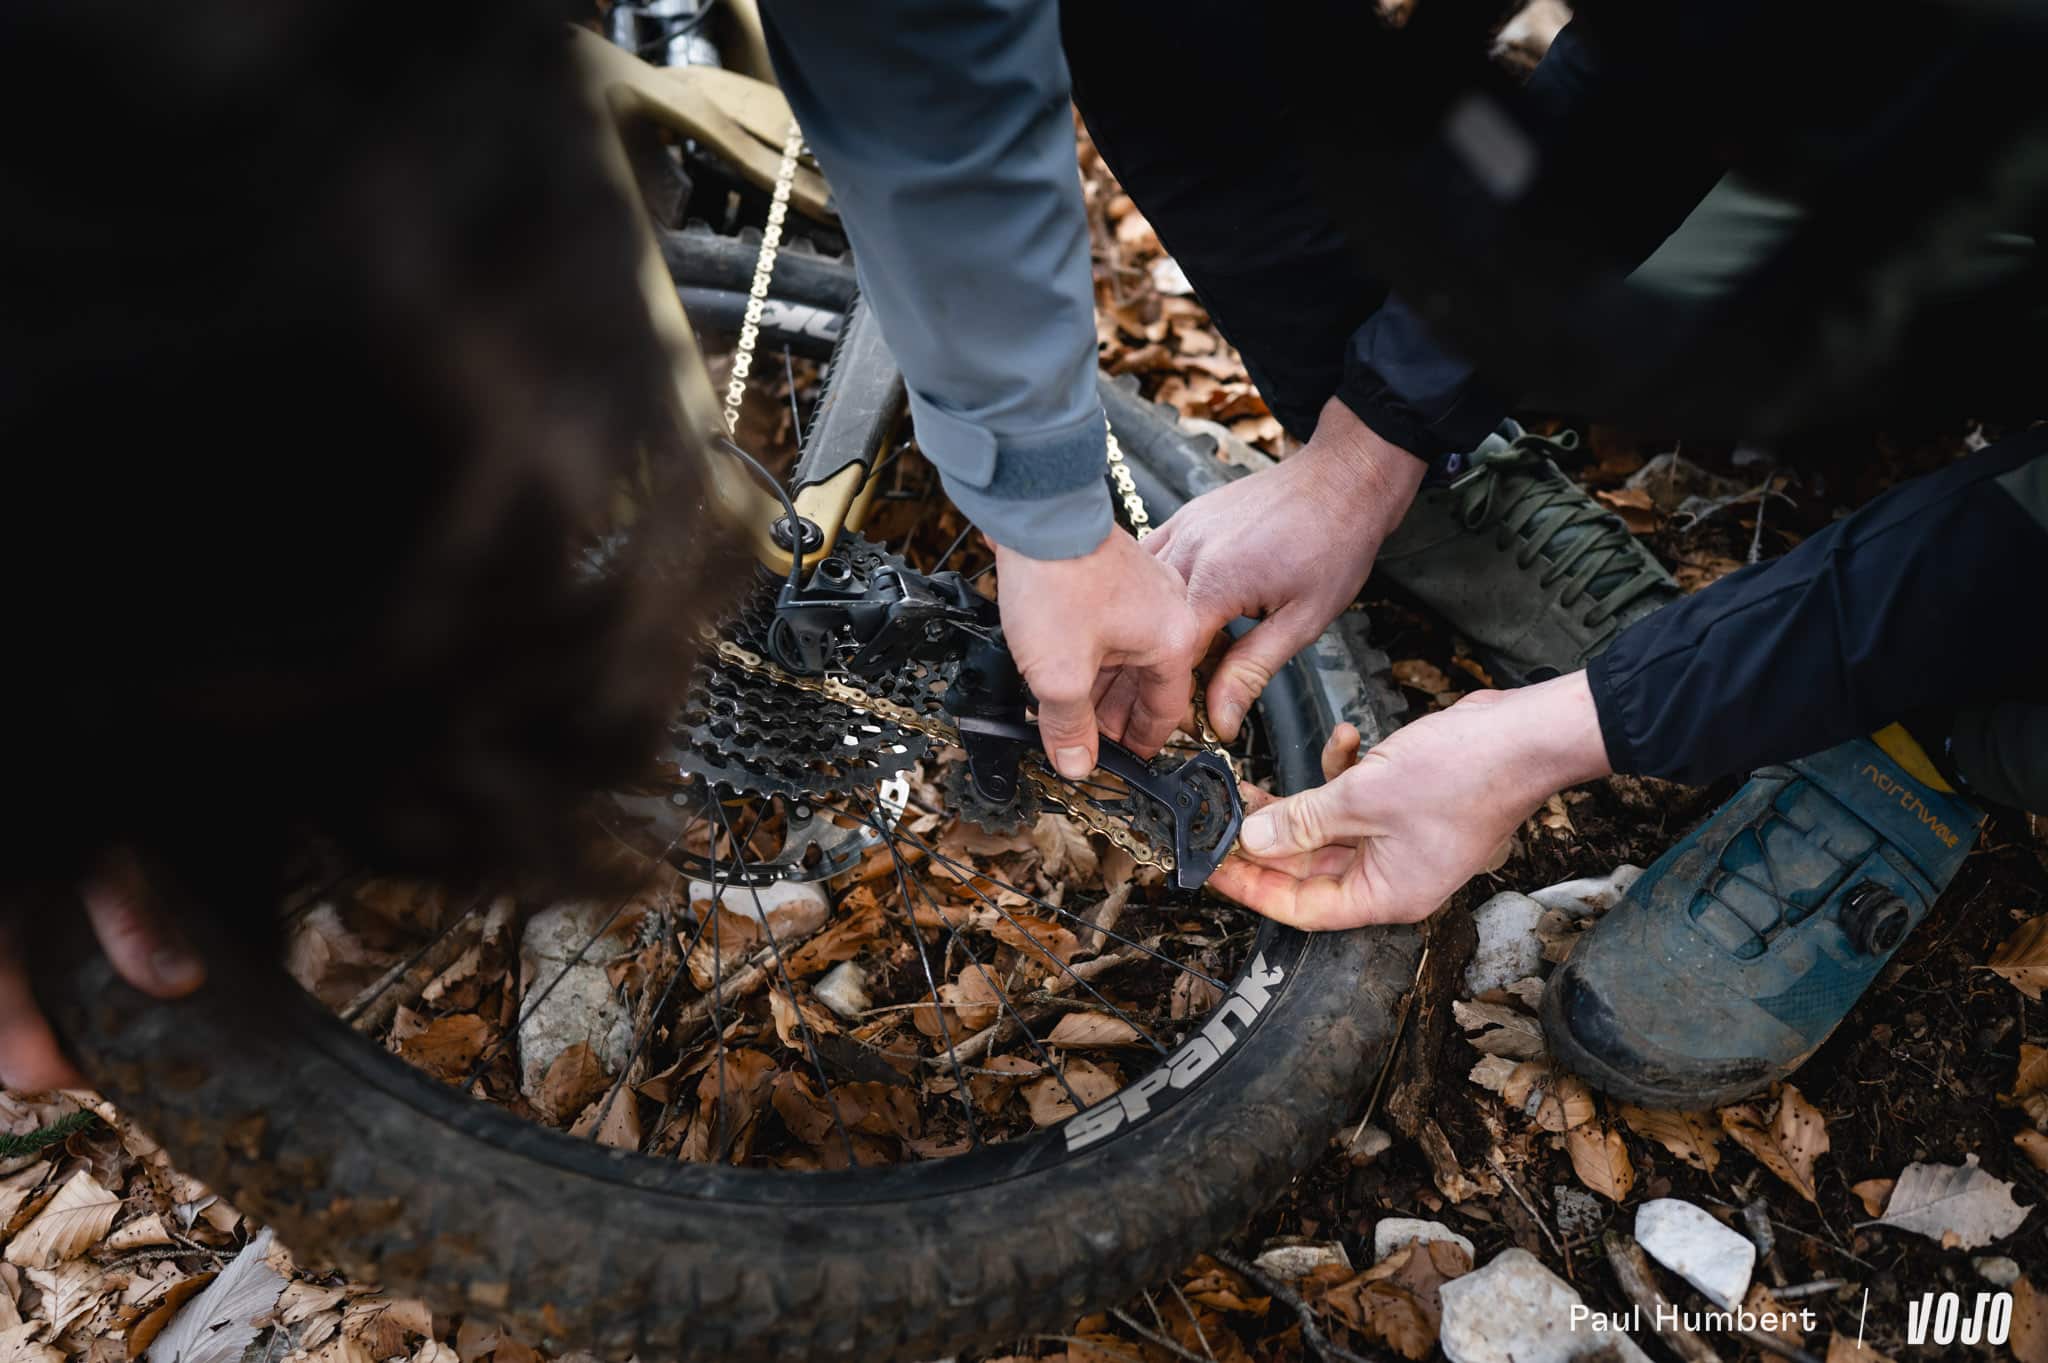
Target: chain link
[[764, 271], [1032, 765]]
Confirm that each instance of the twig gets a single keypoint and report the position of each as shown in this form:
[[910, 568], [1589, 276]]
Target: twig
[[1393, 1047], [978, 1044], [1527, 1205], [1193, 1319], [1311, 1333], [1632, 1271], [1812, 1289], [1153, 1336]]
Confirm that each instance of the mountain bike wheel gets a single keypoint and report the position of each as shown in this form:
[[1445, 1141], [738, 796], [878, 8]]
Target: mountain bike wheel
[[364, 1162]]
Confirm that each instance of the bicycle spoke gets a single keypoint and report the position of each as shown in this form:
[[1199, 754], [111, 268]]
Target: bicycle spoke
[[1077, 979], [954, 547], [803, 1026], [969, 874], [932, 983], [959, 939]]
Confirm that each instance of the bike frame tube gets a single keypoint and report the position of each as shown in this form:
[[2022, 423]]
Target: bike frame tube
[[685, 102]]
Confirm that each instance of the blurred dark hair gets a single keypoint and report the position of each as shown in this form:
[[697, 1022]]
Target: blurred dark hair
[[321, 362]]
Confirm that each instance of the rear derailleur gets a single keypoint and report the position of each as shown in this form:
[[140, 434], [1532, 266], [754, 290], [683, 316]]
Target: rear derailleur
[[884, 619]]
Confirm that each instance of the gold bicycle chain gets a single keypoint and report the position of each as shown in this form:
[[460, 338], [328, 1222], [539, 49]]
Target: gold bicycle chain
[[1032, 766]]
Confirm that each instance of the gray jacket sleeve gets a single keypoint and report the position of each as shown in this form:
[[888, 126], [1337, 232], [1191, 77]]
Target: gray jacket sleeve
[[945, 130]]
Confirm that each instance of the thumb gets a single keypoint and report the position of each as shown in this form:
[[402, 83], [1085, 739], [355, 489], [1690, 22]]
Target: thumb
[[1306, 822], [1066, 725], [1251, 663]]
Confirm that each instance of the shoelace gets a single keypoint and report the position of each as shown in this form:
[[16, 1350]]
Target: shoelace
[[1555, 521]]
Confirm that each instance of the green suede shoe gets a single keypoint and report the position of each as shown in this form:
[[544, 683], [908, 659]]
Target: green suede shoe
[[1521, 561]]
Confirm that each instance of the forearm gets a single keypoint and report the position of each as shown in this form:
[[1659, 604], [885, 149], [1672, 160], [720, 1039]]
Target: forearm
[[945, 132], [1923, 599]]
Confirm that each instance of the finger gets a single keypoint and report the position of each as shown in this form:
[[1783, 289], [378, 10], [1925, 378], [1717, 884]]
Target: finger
[[1114, 702], [1341, 751], [30, 1059], [1313, 819], [146, 950], [1066, 720], [1251, 663], [1159, 703], [1157, 543]]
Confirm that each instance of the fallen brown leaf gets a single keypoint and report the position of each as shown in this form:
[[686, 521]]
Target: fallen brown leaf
[[1692, 1136], [1873, 1193], [1786, 1141], [1842, 1349], [448, 1046], [1600, 1159], [2030, 1086], [2023, 959], [69, 1224], [1398, 1300], [1760, 1301], [2034, 1146], [1048, 944], [2029, 1338], [1558, 1101], [1092, 1029], [1049, 1100], [144, 1331], [572, 1080]]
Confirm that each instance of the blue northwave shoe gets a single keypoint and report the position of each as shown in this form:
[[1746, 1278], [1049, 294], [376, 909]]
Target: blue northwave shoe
[[1733, 957]]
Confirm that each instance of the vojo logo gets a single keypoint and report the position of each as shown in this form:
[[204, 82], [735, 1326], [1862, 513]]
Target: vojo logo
[[1243, 1005], [1938, 1317]]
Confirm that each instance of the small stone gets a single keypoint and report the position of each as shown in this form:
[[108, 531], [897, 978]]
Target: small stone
[[1515, 1310], [1996, 1269], [1392, 1232], [791, 908], [1508, 948], [1699, 1249], [844, 990], [1579, 1213], [1590, 897], [1364, 1145], [1290, 1260]]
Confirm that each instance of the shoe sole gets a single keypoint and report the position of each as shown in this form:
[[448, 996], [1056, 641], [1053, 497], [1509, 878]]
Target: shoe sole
[[1565, 1048]]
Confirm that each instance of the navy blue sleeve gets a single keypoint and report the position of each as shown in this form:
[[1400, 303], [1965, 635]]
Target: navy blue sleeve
[[1928, 598]]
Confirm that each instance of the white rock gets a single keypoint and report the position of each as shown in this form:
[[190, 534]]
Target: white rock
[[1289, 1261], [1996, 1269], [1588, 897], [1508, 949], [792, 908], [580, 1006], [1515, 1310], [1699, 1249], [844, 990], [1395, 1231], [1365, 1144]]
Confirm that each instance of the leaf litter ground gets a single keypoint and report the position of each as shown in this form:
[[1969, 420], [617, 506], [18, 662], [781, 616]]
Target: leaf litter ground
[[1909, 1155]]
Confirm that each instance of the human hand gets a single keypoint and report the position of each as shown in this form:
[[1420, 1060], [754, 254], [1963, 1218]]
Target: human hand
[[1067, 620], [146, 950], [1390, 839], [1292, 544]]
